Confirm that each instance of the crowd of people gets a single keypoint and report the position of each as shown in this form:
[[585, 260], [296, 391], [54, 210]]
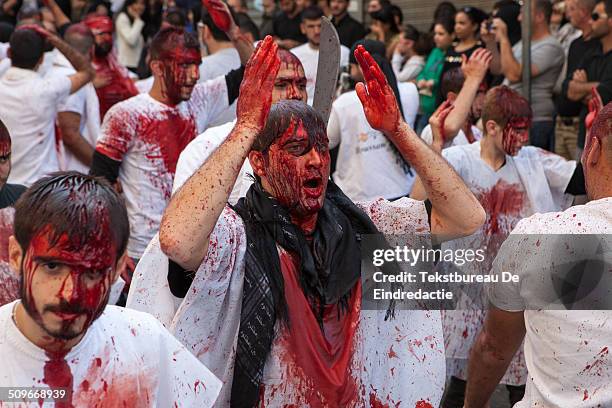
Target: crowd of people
[[180, 227]]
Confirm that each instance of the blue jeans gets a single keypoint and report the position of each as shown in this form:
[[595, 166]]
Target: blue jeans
[[543, 135]]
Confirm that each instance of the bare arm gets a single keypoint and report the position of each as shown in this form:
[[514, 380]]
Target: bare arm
[[436, 121], [193, 211], [488, 37], [455, 210], [474, 71], [60, 18], [69, 124], [510, 67], [492, 353]]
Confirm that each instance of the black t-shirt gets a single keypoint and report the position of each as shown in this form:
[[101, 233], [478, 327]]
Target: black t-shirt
[[578, 51], [598, 67], [453, 60], [287, 28], [349, 30], [9, 194]]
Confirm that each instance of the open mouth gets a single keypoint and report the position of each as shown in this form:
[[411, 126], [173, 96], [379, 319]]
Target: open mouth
[[313, 186], [313, 182]]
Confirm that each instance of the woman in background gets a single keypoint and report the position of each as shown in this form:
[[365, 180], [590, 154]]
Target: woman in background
[[385, 29], [129, 26], [467, 33], [409, 55], [428, 81]]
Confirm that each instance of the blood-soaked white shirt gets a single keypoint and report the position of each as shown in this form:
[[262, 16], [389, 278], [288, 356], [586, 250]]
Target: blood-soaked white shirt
[[126, 358], [399, 360], [566, 351], [147, 137]]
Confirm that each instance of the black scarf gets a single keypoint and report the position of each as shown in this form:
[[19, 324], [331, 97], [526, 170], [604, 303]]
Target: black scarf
[[327, 273]]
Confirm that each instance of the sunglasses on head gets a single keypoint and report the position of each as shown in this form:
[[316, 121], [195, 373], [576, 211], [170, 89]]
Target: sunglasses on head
[[596, 16]]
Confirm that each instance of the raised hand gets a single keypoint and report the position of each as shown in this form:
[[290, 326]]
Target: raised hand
[[595, 105], [436, 121], [477, 65], [376, 96], [220, 14], [255, 97]]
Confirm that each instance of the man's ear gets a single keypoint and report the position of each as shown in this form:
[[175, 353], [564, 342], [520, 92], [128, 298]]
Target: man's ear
[[121, 265], [15, 254], [593, 153], [490, 128], [156, 67], [303, 28], [451, 96], [257, 163]]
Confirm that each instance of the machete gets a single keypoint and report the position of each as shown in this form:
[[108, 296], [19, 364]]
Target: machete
[[327, 69]]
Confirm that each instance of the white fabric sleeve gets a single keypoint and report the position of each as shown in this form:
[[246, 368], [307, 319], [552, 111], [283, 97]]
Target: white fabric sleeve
[[183, 379], [333, 129], [74, 103], [403, 216], [409, 95], [208, 100], [557, 169], [130, 33], [55, 88]]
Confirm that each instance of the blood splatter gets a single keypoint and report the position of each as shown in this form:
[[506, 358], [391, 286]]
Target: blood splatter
[[318, 360], [423, 404], [57, 374], [503, 204], [220, 16]]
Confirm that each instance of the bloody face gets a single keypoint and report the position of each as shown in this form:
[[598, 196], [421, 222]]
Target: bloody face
[[180, 73], [5, 158], [66, 285], [297, 169], [515, 135], [102, 29], [290, 82]]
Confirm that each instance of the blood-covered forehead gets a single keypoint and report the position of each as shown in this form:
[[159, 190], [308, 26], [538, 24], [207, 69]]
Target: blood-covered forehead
[[175, 50], [5, 140], [299, 131], [99, 25], [98, 251]]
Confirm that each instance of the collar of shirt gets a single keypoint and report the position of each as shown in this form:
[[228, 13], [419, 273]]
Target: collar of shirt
[[14, 74]]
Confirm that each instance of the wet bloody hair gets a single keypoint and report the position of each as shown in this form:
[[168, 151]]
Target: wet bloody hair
[[284, 115], [71, 206], [5, 140], [504, 106], [169, 39]]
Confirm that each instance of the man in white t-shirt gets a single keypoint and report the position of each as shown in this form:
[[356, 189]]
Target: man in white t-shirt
[[368, 164], [68, 246], [222, 58], [141, 138], [566, 351], [308, 53], [511, 182], [78, 117], [229, 302], [30, 101]]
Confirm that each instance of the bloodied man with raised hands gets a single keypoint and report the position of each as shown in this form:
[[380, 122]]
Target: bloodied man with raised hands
[[273, 305]]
